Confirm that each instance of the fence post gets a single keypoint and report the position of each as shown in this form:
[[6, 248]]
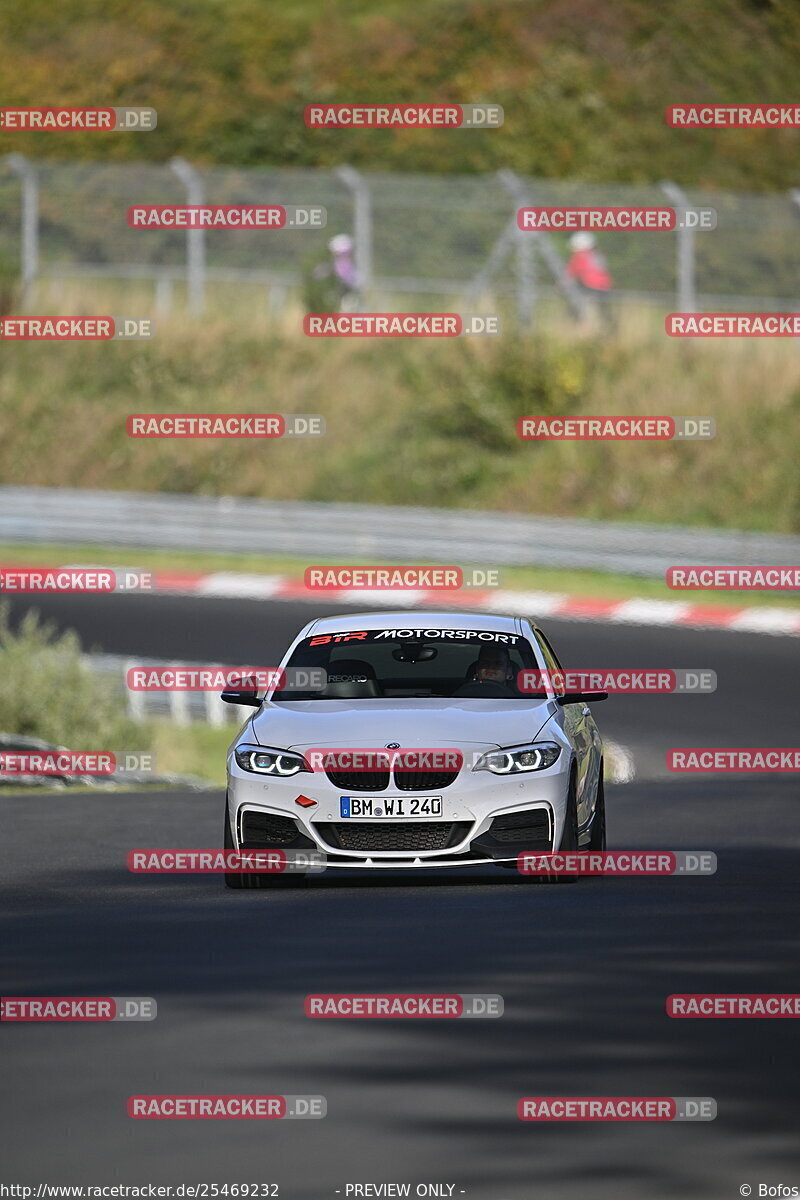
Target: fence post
[[687, 296], [163, 295], [576, 301], [195, 238], [499, 251], [137, 708], [179, 703], [216, 709], [29, 258], [526, 263], [358, 187]]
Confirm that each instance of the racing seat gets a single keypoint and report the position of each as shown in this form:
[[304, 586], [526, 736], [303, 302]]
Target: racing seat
[[351, 679]]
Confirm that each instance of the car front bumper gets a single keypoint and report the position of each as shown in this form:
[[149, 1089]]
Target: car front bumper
[[487, 820]]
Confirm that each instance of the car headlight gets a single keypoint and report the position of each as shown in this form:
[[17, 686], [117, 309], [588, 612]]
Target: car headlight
[[263, 761], [514, 762]]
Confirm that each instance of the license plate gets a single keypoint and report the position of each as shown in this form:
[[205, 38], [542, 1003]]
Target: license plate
[[405, 808]]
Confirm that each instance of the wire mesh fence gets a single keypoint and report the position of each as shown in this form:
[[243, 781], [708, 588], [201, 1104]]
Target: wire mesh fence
[[444, 237]]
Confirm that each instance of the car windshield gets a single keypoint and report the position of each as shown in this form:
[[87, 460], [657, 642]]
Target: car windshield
[[399, 663]]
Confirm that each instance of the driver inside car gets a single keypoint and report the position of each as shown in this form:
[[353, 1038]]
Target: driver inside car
[[494, 666]]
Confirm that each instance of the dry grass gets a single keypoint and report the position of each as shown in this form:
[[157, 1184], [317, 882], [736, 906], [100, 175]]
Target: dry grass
[[420, 422]]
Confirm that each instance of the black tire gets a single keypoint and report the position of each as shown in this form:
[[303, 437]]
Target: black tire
[[598, 835], [239, 880]]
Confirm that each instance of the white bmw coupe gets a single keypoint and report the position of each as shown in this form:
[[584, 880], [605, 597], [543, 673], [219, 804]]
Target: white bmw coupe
[[410, 741]]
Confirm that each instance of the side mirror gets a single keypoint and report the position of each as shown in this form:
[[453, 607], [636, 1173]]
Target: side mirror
[[241, 695], [581, 697]]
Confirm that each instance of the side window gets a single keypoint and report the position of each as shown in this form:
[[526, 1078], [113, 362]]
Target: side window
[[552, 663], [549, 653]]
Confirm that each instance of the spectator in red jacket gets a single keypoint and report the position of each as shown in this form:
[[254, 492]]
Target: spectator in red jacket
[[588, 268]]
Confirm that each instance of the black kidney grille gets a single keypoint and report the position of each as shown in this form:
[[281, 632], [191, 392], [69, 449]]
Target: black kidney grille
[[378, 781], [359, 781], [424, 781]]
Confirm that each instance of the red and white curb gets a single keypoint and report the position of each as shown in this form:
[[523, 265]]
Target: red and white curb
[[237, 586]]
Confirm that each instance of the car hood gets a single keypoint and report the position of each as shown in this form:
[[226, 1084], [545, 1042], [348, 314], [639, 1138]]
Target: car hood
[[298, 724]]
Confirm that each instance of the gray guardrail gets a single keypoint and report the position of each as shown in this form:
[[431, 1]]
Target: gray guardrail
[[182, 707], [355, 532]]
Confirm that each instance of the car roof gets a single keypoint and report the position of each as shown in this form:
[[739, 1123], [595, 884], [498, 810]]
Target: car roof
[[414, 619]]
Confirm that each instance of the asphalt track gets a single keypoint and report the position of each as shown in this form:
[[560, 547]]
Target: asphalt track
[[584, 969]]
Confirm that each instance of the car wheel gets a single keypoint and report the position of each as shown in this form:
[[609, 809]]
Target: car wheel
[[598, 837], [239, 879]]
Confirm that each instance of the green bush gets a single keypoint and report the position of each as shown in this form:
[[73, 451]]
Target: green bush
[[48, 691], [477, 399], [455, 435]]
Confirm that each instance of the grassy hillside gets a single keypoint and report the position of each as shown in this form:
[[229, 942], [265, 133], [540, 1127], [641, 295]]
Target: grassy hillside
[[584, 83], [421, 422]]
